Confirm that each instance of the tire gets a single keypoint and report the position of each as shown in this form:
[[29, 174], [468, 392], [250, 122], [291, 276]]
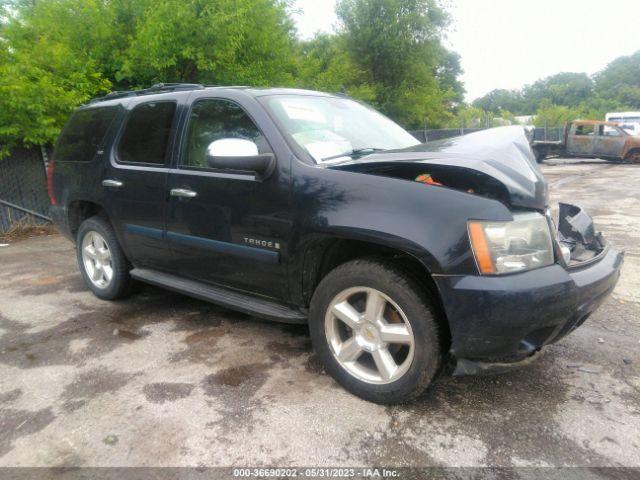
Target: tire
[[405, 303], [540, 155], [633, 156], [97, 233]]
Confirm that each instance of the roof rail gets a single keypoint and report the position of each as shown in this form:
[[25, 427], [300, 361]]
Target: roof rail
[[157, 88]]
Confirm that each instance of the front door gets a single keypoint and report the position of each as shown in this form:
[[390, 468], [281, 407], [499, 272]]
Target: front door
[[609, 141], [135, 182], [581, 139], [227, 227]]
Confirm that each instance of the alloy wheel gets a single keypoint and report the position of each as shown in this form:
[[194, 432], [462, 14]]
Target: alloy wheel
[[369, 335], [97, 260]]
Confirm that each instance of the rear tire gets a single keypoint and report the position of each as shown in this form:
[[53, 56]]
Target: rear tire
[[633, 156], [386, 357], [540, 154], [103, 265]]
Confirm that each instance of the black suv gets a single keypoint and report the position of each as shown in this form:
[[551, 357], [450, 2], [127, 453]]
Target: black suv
[[301, 206]]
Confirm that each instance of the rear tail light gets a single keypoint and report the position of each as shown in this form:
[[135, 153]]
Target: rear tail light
[[50, 168]]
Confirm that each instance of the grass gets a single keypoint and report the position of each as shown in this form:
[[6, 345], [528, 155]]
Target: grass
[[26, 228]]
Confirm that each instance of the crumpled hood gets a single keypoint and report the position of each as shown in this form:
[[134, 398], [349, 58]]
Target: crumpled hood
[[502, 153]]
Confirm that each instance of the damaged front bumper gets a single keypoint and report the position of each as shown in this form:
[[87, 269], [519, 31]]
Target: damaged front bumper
[[500, 322]]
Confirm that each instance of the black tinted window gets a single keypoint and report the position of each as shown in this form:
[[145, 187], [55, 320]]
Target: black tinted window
[[584, 130], [83, 134], [146, 134], [212, 120]]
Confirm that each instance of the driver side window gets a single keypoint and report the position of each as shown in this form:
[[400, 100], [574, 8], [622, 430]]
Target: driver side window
[[584, 129], [215, 119]]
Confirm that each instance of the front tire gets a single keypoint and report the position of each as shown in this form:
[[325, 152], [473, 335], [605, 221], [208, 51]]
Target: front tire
[[102, 263], [374, 330]]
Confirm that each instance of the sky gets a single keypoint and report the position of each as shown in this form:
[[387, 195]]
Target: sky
[[510, 43]]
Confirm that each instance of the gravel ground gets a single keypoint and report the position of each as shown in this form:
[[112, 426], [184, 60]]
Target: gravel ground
[[164, 380]]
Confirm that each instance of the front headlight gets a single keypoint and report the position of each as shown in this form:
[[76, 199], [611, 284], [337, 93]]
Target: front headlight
[[505, 247]]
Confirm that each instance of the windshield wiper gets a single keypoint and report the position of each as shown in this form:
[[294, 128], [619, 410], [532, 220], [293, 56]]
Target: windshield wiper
[[355, 151]]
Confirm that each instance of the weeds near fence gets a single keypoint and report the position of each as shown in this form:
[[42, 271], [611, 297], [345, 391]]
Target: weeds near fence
[[25, 228]]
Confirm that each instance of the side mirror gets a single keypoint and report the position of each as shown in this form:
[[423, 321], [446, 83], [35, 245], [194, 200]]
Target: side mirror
[[238, 154]]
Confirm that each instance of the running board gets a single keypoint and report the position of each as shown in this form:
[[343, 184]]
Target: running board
[[227, 298]]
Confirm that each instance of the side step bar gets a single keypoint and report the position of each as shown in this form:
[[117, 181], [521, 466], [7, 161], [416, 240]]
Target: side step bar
[[227, 298]]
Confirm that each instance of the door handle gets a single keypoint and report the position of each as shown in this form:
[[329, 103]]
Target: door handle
[[182, 192], [112, 183]]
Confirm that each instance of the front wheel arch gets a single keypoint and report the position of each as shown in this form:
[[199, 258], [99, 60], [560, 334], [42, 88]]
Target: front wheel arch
[[333, 252], [393, 282]]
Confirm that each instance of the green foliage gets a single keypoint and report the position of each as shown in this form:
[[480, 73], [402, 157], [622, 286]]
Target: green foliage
[[500, 99], [324, 64], [398, 46], [549, 115], [567, 97], [57, 54], [615, 88], [568, 89], [619, 82], [43, 72], [475, 117], [246, 42]]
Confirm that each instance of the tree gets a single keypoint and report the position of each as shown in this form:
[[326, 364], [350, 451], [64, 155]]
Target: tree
[[448, 73], [567, 89], [549, 115], [324, 64], [228, 42], [398, 44], [619, 82], [46, 69], [475, 117], [57, 54], [500, 99]]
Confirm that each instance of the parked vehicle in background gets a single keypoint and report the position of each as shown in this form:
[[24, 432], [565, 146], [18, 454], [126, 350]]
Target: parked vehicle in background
[[306, 207], [628, 121], [591, 139]]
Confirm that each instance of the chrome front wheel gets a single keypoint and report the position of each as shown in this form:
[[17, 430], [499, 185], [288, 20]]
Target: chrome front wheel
[[369, 335], [97, 259]]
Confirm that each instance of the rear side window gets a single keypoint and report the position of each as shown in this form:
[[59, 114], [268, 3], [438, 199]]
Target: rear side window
[[147, 132], [83, 134], [607, 131]]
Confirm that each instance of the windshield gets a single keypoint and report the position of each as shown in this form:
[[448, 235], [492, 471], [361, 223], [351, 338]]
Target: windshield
[[336, 129]]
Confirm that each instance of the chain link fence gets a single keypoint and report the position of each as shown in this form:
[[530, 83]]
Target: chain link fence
[[23, 188], [442, 133], [551, 134]]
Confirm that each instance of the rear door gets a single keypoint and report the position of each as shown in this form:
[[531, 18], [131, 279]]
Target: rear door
[[228, 227], [135, 182], [581, 139], [609, 141]]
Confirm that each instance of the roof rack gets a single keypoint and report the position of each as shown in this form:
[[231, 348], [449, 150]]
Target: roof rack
[[157, 88]]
